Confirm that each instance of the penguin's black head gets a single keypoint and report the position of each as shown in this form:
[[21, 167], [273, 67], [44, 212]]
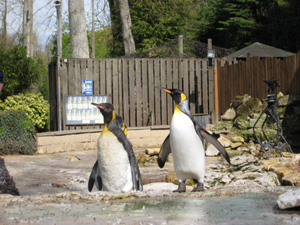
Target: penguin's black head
[[107, 111], [177, 95]]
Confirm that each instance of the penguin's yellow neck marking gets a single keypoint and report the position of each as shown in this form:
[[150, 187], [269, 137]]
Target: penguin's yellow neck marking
[[105, 130], [124, 129], [177, 110], [113, 117]]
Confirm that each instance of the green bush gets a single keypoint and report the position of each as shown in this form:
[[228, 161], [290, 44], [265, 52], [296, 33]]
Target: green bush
[[20, 71], [34, 105], [17, 134]]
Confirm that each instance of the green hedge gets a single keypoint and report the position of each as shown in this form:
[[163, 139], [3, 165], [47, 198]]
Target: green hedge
[[17, 133], [34, 105]]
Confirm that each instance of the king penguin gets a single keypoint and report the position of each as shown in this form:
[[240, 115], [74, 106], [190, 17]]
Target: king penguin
[[116, 168], [186, 144]]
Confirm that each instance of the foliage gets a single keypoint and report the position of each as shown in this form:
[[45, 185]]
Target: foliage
[[17, 134], [103, 41], [35, 107], [154, 22], [20, 72], [237, 23], [230, 23], [42, 84], [281, 25]]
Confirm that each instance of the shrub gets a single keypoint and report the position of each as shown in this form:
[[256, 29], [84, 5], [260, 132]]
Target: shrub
[[34, 105], [17, 134], [20, 72]]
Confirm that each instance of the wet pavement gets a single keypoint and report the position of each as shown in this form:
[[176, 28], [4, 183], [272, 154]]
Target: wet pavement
[[53, 190]]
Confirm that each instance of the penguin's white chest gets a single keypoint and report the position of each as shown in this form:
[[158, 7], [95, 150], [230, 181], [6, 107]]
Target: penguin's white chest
[[187, 148], [113, 164]]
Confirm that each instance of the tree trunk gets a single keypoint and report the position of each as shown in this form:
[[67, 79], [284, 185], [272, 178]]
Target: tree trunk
[[27, 25], [30, 42], [93, 29], [128, 40], [79, 41], [4, 39]]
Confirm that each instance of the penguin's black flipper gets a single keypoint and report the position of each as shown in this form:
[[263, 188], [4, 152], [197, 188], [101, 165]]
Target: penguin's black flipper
[[203, 133], [211, 139], [95, 177], [164, 152]]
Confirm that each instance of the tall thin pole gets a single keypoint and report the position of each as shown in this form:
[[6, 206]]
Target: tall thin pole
[[93, 29], [57, 6], [180, 46]]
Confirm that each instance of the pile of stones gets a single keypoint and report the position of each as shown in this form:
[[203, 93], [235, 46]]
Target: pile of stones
[[237, 123]]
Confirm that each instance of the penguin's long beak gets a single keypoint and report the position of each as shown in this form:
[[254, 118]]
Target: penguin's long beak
[[164, 89], [98, 105]]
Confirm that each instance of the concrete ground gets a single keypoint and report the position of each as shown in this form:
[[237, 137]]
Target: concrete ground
[[61, 172]]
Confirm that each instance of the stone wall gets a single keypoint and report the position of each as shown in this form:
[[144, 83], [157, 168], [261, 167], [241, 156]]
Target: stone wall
[[54, 142]]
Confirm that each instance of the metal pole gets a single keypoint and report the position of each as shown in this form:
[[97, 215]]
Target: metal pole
[[180, 46], [57, 6]]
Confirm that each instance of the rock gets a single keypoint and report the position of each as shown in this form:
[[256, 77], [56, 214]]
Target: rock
[[224, 141], [230, 114], [264, 179], [289, 199], [236, 145], [236, 139], [243, 160], [282, 171], [283, 101], [243, 148], [259, 123], [244, 183], [220, 126], [285, 168], [243, 110], [254, 149], [242, 123], [141, 158], [280, 95], [212, 151], [238, 100], [152, 151], [172, 178], [159, 187], [7, 184], [281, 112], [289, 179], [254, 104], [72, 158]]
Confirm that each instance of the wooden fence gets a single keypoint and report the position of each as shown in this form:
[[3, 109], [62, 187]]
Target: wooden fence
[[234, 78], [130, 87]]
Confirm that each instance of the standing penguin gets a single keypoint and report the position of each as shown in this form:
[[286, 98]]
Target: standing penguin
[[186, 144], [116, 168]]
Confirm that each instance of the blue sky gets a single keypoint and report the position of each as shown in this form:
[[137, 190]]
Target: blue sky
[[45, 17]]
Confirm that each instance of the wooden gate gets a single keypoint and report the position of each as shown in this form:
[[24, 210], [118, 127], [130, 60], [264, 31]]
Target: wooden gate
[[130, 87]]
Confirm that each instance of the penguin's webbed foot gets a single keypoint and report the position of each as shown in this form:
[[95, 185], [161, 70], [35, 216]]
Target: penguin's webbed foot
[[200, 187], [181, 188]]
